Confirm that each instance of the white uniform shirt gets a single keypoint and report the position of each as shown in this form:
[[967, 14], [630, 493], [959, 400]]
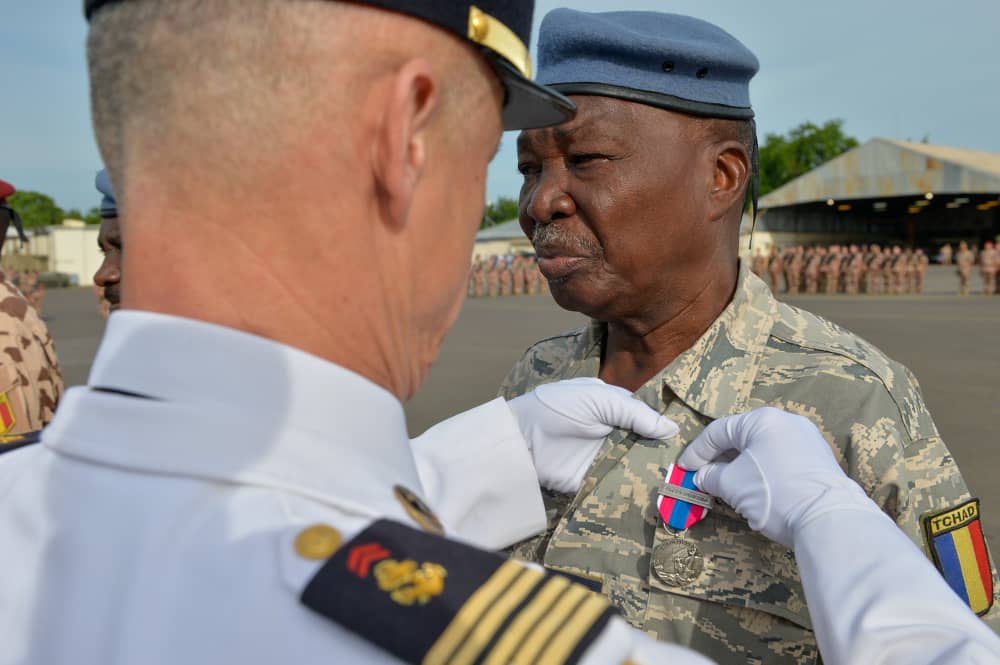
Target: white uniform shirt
[[155, 522]]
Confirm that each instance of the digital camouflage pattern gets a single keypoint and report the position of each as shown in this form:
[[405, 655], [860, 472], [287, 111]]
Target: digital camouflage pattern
[[30, 380], [748, 605]]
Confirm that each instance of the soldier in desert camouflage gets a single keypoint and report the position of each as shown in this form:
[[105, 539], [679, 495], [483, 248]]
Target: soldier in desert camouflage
[[946, 252], [775, 269], [855, 271], [677, 319], [831, 270], [473, 275], [493, 277], [30, 380], [813, 269], [989, 261], [793, 270], [921, 263], [873, 271], [964, 260]]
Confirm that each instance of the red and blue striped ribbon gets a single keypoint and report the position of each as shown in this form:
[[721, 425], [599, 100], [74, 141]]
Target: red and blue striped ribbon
[[678, 514]]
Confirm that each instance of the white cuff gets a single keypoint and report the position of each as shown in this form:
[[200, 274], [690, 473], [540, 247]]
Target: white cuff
[[478, 475]]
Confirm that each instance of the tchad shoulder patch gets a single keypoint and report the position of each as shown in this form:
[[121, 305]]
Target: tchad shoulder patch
[[955, 539], [10, 442], [427, 599]]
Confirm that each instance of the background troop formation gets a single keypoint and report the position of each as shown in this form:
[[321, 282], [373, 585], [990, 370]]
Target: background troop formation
[[506, 275], [869, 269]]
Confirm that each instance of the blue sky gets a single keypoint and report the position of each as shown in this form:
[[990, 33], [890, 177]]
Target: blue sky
[[889, 68]]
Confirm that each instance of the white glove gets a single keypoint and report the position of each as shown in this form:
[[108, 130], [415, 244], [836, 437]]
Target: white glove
[[565, 423], [784, 477]]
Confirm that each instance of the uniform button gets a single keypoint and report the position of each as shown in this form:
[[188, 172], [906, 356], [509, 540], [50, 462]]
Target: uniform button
[[319, 541]]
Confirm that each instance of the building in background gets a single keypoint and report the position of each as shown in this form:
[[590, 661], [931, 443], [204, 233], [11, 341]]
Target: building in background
[[504, 238], [886, 191], [70, 249]]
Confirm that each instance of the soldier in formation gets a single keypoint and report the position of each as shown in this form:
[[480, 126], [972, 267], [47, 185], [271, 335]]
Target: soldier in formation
[[856, 269], [505, 275], [964, 261], [989, 261]]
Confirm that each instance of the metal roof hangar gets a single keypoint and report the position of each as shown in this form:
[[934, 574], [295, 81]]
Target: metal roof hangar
[[887, 191]]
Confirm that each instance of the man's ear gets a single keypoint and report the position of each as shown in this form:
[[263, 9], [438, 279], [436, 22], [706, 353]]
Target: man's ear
[[400, 149], [729, 183]]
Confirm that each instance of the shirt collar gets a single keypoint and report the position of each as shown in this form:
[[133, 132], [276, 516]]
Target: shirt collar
[[716, 374], [173, 395]]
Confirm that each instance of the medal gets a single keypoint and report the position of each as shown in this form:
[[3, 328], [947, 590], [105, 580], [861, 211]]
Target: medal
[[680, 503], [678, 562]]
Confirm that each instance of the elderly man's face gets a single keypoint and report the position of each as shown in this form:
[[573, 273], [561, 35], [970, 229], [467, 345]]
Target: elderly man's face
[[615, 203]]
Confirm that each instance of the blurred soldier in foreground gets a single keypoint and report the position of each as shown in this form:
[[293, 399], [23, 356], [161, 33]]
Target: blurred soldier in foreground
[[109, 240], [964, 261], [31, 382], [634, 210]]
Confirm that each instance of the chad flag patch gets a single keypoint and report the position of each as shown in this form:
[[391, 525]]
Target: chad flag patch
[[955, 538]]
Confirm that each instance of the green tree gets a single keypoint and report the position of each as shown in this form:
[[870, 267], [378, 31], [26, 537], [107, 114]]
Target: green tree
[[784, 158], [93, 216], [502, 210], [36, 209]]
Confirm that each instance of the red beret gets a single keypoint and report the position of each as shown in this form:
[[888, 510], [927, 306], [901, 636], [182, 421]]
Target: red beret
[[6, 189]]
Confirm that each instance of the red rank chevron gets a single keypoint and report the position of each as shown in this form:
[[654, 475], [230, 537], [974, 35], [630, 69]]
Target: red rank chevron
[[361, 558]]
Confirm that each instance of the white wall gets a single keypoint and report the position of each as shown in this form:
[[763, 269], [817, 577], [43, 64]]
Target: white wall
[[74, 251]]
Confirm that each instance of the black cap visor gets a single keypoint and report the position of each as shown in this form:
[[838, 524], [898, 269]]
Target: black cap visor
[[657, 99], [528, 105]]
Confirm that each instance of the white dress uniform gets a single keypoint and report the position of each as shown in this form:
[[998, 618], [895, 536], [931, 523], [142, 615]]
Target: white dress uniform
[[215, 497], [176, 508]]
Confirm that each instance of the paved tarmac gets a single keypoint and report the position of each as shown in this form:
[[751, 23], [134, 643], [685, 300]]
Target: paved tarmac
[[952, 344]]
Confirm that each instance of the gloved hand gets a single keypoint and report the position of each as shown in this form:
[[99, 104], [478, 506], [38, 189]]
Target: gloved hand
[[565, 423], [784, 476]]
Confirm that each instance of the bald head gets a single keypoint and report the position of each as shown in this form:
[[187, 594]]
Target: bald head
[[307, 170], [213, 87]]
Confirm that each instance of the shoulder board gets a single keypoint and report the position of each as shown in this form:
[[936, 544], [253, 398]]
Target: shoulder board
[[427, 599], [9, 442]]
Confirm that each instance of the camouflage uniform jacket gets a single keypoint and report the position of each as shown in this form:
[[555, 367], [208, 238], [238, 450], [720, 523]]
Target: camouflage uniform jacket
[[748, 603], [30, 380]]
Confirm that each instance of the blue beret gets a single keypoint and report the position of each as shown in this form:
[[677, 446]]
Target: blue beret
[[109, 208], [665, 60]]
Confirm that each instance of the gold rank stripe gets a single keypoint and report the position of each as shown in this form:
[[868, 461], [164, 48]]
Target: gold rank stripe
[[545, 618], [466, 617], [556, 617]]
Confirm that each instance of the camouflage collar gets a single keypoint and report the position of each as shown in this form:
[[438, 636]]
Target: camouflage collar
[[715, 375]]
